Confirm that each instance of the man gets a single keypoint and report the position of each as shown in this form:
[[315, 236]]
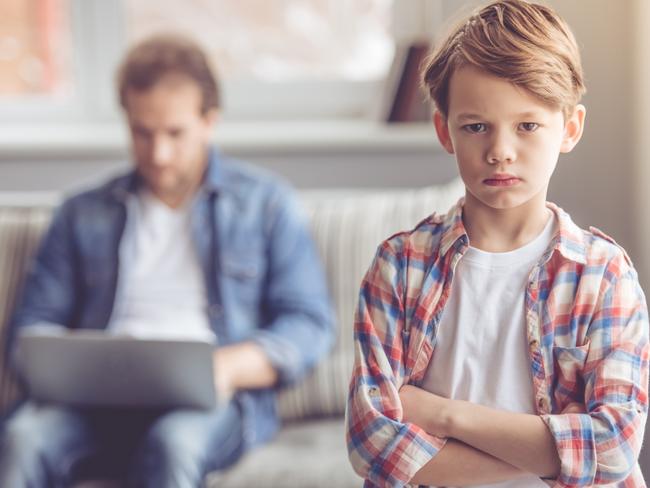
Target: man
[[189, 244]]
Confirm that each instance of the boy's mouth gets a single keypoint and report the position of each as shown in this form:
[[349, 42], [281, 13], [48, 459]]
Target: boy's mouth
[[502, 180]]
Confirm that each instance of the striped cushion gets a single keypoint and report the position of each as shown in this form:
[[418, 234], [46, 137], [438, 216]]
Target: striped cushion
[[347, 227], [20, 231]]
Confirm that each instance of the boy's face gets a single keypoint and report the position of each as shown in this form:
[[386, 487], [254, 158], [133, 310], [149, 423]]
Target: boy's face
[[506, 141]]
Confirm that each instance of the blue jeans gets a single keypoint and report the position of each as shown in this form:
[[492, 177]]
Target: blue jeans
[[42, 445]]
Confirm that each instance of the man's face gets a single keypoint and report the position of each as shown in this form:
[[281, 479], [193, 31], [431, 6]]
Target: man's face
[[170, 136], [506, 141]]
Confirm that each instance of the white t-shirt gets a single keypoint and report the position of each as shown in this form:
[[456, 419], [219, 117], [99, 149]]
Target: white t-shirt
[[161, 290], [481, 350]]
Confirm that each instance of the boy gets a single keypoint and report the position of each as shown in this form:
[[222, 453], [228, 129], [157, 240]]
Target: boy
[[500, 345]]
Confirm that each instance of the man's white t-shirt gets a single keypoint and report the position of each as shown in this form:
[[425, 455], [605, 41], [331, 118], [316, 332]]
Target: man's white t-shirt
[[481, 350], [161, 291]]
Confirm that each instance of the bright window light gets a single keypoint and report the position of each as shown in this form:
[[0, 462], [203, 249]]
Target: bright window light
[[278, 40], [35, 48]]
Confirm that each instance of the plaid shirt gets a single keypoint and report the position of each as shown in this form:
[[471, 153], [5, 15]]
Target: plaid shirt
[[587, 330]]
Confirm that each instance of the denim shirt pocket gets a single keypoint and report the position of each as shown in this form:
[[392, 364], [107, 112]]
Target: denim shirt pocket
[[243, 274]]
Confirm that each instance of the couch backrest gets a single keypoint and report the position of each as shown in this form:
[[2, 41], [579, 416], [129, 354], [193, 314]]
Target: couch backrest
[[347, 226], [21, 226]]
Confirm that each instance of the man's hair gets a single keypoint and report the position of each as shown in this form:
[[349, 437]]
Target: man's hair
[[149, 61], [527, 44]]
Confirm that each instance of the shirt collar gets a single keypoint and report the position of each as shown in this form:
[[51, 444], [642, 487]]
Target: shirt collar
[[122, 188], [453, 233], [568, 239], [214, 179]]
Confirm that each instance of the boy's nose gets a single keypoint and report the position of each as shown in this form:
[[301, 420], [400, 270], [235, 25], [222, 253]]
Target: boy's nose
[[497, 158], [500, 150]]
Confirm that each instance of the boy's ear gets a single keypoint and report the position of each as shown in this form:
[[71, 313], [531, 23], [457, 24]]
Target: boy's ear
[[442, 129], [573, 128]]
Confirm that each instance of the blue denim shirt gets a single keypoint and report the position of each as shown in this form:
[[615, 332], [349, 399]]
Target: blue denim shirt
[[263, 275]]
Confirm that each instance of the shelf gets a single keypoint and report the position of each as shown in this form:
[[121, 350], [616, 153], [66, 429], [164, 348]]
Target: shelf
[[31, 141]]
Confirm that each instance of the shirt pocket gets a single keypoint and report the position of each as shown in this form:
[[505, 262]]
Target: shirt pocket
[[243, 274], [569, 363]]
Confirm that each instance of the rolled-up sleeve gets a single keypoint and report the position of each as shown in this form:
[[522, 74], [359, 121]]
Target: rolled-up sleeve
[[601, 447], [382, 448]]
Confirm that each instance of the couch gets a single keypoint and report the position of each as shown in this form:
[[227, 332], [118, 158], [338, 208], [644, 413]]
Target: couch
[[309, 451]]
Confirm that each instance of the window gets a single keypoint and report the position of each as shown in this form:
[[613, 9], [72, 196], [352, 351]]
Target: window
[[34, 49], [279, 40], [279, 59], [286, 58], [70, 49]]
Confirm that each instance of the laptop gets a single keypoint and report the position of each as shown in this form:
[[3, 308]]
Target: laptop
[[94, 368]]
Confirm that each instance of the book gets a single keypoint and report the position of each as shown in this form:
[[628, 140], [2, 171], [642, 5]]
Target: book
[[405, 101]]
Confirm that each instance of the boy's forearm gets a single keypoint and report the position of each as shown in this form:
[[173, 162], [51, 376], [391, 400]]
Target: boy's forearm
[[520, 440], [458, 464]]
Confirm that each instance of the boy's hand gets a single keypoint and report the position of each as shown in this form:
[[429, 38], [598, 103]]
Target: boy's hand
[[426, 410], [574, 407]]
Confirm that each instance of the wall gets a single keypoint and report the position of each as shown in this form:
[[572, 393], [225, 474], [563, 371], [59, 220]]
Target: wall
[[594, 183], [640, 124]]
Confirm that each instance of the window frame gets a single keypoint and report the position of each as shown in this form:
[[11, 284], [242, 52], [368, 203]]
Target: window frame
[[96, 27], [99, 26]]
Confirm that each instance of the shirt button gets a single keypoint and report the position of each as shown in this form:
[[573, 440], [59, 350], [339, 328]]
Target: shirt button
[[542, 404], [373, 391]]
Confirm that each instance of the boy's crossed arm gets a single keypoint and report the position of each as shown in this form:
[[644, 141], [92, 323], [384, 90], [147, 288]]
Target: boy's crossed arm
[[493, 443], [595, 443], [458, 464]]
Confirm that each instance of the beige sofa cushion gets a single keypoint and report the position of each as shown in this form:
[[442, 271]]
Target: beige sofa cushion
[[303, 455], [20, 229], [348, 226]]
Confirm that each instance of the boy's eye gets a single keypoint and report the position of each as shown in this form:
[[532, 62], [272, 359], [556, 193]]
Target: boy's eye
[[475, 128], [528, 126]]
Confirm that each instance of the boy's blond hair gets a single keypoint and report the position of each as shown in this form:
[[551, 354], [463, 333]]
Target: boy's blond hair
[[525, 43]]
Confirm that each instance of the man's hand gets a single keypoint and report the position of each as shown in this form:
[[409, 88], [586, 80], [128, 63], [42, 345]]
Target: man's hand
[[241, 366], [223, 376], [431, 412]]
